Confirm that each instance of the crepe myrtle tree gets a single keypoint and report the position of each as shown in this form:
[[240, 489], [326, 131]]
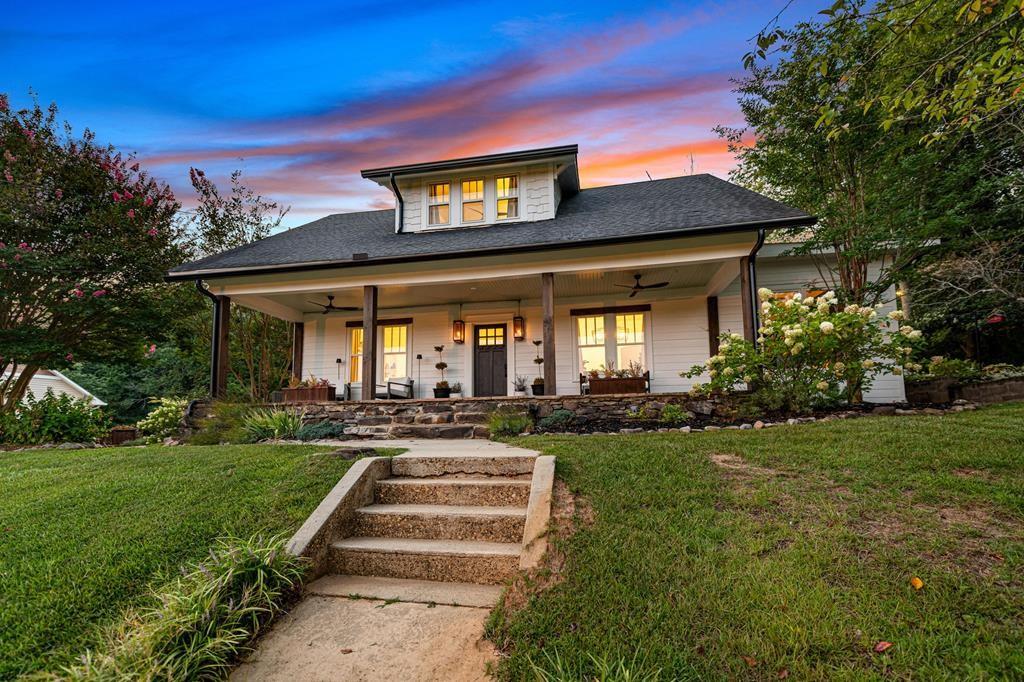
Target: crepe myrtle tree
[[85, 237], [810, 352]]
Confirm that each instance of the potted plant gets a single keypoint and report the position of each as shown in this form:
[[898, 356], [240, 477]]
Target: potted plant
[[441, 389], [309, 390], [456, 390], [609, 380], [538, 383], [519, 385]]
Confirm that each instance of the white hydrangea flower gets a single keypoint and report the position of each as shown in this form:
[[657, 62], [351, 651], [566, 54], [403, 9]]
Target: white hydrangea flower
[[724, 346], [867, 364], [747, 378], [735, 337], [851, 308], [906, 329], [798, 297], [789, 341], [728, 371], [766, 306], [712, 373], [840, 366], [916, 334], [764, 293], [760, 339], [895, 315], [826, 327], [822, 385], [897, 371], [796, 348]]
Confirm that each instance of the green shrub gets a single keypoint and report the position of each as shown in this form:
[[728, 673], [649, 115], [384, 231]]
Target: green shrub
[[200, 622], [267, 424], [556, 421], [673, 414], [53, 419], [321, 430], [224, 425], [555, 669], [507, 422], [164, 420], [940, 367]]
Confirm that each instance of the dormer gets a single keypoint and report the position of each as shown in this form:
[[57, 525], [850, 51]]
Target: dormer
[[480, 191]]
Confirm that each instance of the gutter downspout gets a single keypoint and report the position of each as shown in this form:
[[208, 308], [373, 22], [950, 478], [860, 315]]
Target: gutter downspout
[[215, 341], [752, 264], [401, 204]]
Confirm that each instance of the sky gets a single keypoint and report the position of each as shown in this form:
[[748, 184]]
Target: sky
[[301, 96]]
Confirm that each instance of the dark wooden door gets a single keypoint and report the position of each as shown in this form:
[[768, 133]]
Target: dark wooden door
[[489, 358]]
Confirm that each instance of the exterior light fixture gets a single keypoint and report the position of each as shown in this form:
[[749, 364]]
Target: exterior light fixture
[[459, 329], [518, 325]]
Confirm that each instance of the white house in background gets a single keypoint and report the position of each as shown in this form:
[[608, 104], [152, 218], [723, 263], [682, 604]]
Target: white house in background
[[52, 380], [486, 255]]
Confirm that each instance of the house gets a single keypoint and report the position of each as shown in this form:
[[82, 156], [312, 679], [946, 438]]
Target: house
[[51, 380], [504, 258]]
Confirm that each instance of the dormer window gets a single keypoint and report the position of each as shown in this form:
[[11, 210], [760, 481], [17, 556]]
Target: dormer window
[[439, 203], [507, 187], [472, 201]]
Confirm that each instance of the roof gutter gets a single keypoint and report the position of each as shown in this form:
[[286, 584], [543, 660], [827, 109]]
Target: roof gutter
[[760, 225], [401, 204]]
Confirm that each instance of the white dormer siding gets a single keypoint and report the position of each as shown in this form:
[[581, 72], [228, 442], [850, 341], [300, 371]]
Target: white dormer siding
[[538, 196]]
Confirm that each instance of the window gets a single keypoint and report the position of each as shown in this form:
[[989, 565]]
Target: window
[[439, 203], [629, 340], [591, 340], [507, 187], [396, 351], [355, 355], [472, 201]]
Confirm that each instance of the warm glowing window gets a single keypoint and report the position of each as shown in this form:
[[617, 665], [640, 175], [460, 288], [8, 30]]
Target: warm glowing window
[[439, 203], [396, 351], [355, 355], [472, 201], [590, 331], [507, 191], [629, 340], [490, 336]]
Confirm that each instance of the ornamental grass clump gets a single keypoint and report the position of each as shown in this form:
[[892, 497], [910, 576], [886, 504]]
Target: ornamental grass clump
[[199, 623], [810, 352], [270, 424]]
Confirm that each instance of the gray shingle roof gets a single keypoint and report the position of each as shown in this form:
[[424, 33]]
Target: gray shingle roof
[[652, 209]]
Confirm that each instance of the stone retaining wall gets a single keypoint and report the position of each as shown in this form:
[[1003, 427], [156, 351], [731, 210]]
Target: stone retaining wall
[[948, 390]]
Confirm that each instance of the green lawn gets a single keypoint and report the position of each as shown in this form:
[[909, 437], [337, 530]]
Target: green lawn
[[83, 533], [789, 552]]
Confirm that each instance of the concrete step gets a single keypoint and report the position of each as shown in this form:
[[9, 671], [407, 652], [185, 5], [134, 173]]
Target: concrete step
[[406, 590], [433, 465], [488, 563], [441, 522], [483, 492]]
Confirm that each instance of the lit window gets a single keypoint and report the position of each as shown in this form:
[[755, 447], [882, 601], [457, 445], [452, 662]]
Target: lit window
[[355, 355], [439, 203], [472, 201], [507, 188], [490, 336], [629, 340], [396, 351], [591, 341]]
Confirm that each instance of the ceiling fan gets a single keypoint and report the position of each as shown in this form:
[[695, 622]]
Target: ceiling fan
[[637, 287], [329, 306]]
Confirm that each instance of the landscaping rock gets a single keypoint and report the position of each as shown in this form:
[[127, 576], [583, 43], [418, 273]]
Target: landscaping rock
[[746, 427], [73, 446], [712, 427], [351, 453], [885, 410], [759, 424]]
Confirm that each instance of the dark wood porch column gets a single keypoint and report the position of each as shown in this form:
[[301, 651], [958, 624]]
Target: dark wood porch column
[[547, 298], [369, 341], [713, 324], [220, 356], [747, 301], [298, 336]]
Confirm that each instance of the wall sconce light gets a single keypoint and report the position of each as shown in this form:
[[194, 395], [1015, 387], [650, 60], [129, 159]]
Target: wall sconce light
[[459, 329], [518, 325]]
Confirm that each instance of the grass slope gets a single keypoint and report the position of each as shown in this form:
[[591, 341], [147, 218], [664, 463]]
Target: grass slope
[[762, 555], [83, 533]]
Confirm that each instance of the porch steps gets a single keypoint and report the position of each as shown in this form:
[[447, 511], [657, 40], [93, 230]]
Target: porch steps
[[439, 560], [481, 491], [441, 521]]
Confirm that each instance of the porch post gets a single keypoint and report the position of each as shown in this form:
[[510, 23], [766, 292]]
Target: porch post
[[369, 341], [713, 325], [547, 298], [298, 334], [220, 346], [746, 299]]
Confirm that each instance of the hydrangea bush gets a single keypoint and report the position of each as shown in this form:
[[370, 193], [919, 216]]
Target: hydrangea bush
[[810, 352]]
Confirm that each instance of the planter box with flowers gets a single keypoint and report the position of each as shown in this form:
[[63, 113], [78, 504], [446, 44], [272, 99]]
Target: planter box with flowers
[[311, 390], [609, 381]]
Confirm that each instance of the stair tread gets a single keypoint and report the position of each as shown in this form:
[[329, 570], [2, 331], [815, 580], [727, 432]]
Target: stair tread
[[521, 483], [424, 546], [442, 510], [407, 590]]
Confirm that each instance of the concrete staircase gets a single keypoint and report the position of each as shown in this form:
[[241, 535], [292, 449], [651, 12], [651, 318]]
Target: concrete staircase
[[438, 529]]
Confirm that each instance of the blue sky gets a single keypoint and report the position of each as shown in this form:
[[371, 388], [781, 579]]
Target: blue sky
[[302, 95]]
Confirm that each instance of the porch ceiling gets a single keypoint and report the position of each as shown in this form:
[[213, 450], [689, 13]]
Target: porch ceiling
[[567, 285]]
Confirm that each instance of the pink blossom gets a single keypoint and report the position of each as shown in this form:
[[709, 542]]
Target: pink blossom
[[135, 166], [29, 133], [78, 293], [9, 157], [17, 257], [59, 194], [151, 232], [69, 357], [24, 246], [148, 201], [117, 197], [3, 102], [151, 349], [128, 195], [131, 212], [7, 175], [3, 246], [98, 293]]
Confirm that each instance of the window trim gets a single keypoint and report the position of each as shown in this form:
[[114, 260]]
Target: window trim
[[611, 334], [516, 196], [443, 203], [379, 360], [482, 200]]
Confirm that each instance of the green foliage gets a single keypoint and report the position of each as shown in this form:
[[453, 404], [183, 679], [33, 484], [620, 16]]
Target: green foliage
[[164, 420], [321, 430], [268, 424], [810, 352], [558, 420], [554, 668], [224, 425], [53, 419], [673, 414], [506, 422], [85, 238], [948, 368], [200, 622]]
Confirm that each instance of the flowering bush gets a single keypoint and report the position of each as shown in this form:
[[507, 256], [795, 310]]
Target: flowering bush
[[164, 420], [52, 419], [810, 352]]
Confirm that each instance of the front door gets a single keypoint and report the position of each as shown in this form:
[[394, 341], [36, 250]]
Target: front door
[[489, 356]]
